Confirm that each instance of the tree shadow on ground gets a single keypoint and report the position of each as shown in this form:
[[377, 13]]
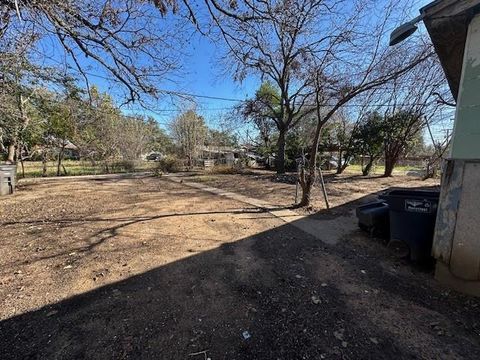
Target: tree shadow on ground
[[99, 237], [279, 294]]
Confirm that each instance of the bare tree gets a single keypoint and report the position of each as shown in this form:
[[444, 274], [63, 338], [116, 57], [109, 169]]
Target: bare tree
[[319, 53], [412, 102], [439, 148], [340, 74], [189, 131], [19, 81], [276, 40], [341, 131]]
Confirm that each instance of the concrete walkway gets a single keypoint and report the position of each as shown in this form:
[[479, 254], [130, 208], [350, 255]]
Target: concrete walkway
[[328, 231]]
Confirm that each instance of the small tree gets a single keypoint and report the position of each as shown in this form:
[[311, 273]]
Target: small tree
[[60, 128], [266, 112], [368, 140], [189, 131], [411, 102], [138, 135], [341, 131], [18, 85], [437, 150], [400, 130], [261, 113], [134, 137], [96, 130], [158, 140]]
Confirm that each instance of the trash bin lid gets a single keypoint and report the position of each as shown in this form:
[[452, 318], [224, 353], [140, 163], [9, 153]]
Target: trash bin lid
[[412, 193]]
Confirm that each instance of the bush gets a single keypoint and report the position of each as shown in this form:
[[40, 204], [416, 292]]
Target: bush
[[169, 164], [124, 166]]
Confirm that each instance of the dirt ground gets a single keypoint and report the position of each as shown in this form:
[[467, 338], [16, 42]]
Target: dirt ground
[[144, 268], [281, 189]]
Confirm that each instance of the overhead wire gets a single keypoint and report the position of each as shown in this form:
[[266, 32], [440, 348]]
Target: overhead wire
[[213, 97]]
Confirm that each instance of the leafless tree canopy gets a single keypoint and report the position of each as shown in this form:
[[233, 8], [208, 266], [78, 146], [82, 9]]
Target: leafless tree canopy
[[135, 44], [320, 54]]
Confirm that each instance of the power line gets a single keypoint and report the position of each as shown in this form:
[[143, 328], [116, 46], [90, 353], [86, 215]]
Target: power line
[[180, 93], [180, 110], [165, 91], [211, 97]]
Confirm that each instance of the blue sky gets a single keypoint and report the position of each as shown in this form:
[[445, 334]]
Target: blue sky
[[204, 76]]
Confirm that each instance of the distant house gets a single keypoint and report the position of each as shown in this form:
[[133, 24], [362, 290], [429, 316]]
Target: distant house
[[220, 154], [71, 151]]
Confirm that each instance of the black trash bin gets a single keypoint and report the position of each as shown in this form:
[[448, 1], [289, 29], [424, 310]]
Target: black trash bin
[[412, 220], [374, 218]]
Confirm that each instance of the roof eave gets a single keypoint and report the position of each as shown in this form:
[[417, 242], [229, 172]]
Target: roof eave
[[447, 24]]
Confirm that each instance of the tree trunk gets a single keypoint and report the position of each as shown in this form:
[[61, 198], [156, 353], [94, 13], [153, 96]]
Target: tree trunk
[[11, 154], [308, 178], [342, 166], [431, 170], [44, 163], [339, 162], [60, 158], [266, 158], [23, 167], [368, 168], [280, 159], [389, 166]]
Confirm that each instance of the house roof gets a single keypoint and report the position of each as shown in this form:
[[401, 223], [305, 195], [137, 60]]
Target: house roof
[[447, 23]]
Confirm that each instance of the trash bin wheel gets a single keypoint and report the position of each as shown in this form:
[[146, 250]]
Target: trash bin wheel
[[399, 248]]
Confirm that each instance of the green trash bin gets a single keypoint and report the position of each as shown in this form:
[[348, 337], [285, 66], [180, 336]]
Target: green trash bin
[[8, 175]]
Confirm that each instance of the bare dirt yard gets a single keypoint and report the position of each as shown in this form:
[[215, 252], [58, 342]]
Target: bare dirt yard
[[281, 189], [145, 268]]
